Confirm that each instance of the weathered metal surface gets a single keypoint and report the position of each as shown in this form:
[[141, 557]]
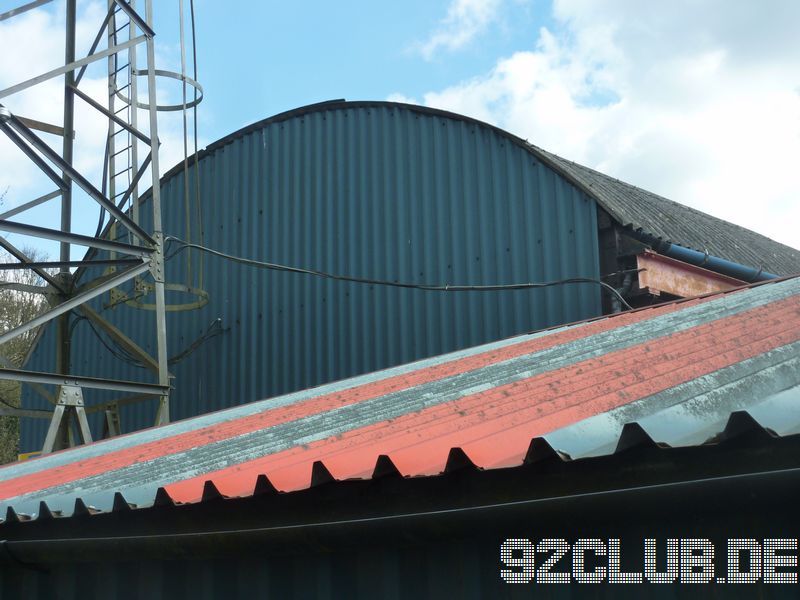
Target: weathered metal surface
[[678, 369], [683, 371], [705, 259], [372, 190], [663, 274], [377, 190]]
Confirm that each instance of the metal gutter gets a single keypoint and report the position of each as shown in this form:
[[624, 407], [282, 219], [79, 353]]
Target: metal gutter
[[432, 523]]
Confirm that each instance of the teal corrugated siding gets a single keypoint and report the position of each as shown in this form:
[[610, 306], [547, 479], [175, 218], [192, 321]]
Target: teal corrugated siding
[[374, 190]]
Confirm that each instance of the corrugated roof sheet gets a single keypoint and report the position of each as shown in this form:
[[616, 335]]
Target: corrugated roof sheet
[[679, 370], [628, 204], [674, 222], [373, 192]]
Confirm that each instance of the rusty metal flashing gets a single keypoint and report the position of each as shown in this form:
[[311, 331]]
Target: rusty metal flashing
[[662, 274]]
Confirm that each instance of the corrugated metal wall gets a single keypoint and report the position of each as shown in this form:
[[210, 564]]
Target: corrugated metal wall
[[374, 190]]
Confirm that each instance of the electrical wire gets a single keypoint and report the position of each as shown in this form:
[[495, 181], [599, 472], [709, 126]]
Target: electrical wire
[[398, 284], [121, 355], [623, 272], [73, 325], [9, 405], [197, 202], [213, 330], [187, 209], [104, 185], [123, 300]]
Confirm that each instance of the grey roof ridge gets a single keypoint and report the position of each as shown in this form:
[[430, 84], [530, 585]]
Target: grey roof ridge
[[551, 159]]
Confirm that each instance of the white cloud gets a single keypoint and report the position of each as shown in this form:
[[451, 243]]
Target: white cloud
[[465, 20], [698, 102], [36, 41]]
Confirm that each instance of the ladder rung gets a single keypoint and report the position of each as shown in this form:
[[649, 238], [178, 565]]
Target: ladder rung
[[123, 87], [118, 131], [122, 68], [121, 28], [121, 151], [126, 107], [118, 173]]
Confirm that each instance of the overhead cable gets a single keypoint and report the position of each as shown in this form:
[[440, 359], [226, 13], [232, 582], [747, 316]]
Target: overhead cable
[[398, 284]]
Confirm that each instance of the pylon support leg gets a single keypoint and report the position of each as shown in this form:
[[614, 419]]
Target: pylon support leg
[[69, 405]]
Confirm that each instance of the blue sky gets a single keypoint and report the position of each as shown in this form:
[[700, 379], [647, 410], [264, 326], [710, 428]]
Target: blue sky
[[697, 100], [264, 58]]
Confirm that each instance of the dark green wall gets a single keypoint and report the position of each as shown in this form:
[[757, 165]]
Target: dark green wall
[[373, 190]]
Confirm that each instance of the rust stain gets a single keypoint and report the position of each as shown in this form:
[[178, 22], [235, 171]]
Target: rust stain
[[667, 275]]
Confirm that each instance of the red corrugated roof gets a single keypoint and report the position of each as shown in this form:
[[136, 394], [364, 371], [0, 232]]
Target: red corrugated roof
[[489, 402]]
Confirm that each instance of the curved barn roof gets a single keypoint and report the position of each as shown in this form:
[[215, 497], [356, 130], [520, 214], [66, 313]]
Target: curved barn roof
[[629, 205]]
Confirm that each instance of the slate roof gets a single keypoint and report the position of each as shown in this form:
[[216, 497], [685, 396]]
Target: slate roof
[[632, 206]]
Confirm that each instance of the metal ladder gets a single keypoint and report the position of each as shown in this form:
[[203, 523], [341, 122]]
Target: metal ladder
[[122, 157]]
